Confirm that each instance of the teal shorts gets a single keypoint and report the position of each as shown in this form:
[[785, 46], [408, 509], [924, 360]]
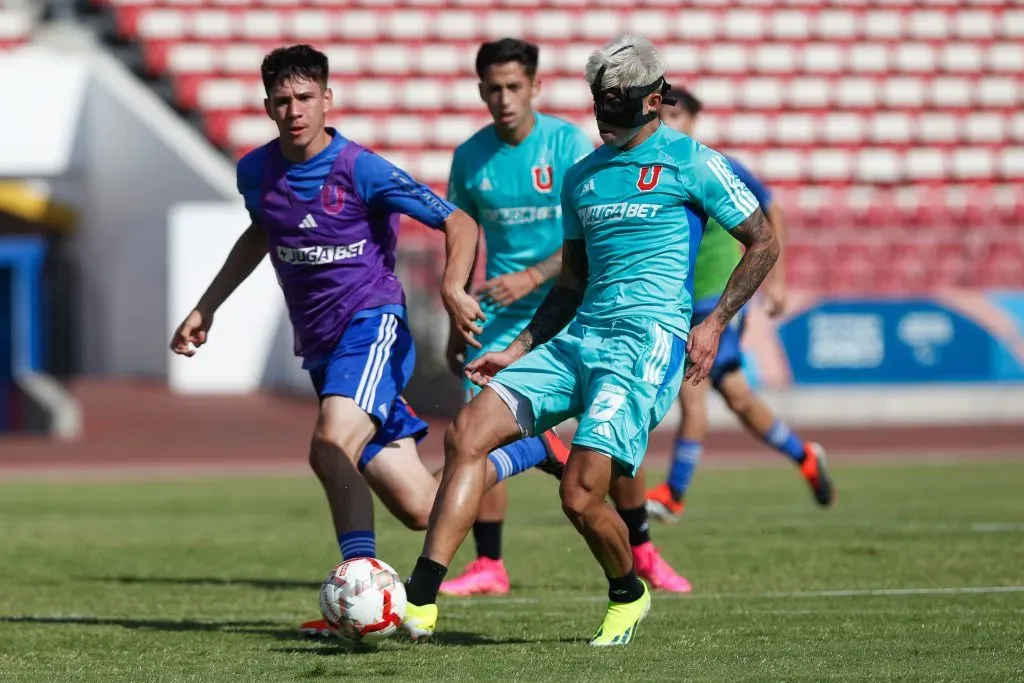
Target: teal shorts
[[619, 382], [499, 332]]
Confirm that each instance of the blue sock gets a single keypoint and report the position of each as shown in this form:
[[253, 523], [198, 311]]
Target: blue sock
[[684, 464], [518, 456], [782, 438], [357, 544]]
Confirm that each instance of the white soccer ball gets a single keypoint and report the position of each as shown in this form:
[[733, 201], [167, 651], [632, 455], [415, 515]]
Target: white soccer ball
[[363, 600]]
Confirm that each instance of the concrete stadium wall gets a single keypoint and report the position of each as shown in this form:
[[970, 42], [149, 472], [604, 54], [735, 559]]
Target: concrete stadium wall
[[110, 148]]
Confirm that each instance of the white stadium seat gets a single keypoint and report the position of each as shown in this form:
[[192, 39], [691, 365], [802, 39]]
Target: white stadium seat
[[843, 128], [924, 164], [359, 24], [830, 164], [799, 129], [984, 127], [891, 128], [212, 25], [903, 91], [878, 165], [937, 127], [813, 93], [972, 163]]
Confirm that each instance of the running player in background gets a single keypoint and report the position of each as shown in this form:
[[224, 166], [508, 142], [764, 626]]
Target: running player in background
[[508, 177], [716, 258], [326, 210], [607, 344]]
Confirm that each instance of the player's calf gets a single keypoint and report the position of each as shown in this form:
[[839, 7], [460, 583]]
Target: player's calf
[[403, 483], [481, 426], [585, 484], [341, 434]]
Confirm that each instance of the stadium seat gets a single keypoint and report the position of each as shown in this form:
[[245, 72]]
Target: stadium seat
[[16, 25]]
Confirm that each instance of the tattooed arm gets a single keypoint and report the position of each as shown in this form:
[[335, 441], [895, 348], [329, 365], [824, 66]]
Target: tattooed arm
[[762, 250], [561, 303], [558, 308]]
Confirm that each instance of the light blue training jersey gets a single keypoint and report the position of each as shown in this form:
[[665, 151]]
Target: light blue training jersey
[[642, 213], [514, 191]]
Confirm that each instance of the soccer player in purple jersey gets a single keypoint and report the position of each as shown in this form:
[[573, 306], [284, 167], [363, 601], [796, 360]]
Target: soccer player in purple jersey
[[326, 209]]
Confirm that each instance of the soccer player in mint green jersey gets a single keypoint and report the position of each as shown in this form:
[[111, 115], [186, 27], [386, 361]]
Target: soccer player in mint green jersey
[[508, 176], [716, 259], [607, 345]]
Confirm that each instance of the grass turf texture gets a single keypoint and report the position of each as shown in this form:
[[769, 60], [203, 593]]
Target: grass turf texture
[[207, 580]]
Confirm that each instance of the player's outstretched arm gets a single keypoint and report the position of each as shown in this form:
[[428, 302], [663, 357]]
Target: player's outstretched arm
[[461, 239], [762, 250], [249, 250]]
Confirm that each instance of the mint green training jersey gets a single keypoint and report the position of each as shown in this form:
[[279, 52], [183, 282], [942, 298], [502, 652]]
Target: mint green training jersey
[[642, 213], [513, 192]]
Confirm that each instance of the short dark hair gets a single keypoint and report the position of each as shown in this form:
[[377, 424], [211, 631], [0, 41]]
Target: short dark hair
[[295, 61], [507, 50], [685, 99]]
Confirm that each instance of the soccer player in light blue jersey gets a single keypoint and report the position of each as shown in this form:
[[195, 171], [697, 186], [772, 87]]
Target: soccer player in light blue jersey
[[508, 177], [608, 343]]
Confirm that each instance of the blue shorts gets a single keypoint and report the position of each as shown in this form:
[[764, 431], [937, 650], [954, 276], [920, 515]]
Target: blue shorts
[[730, 355], [372, 364]]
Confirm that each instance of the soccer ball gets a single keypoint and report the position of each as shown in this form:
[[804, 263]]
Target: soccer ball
[[363, 600]]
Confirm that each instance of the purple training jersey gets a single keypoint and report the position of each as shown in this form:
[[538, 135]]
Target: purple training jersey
[[333, 243]]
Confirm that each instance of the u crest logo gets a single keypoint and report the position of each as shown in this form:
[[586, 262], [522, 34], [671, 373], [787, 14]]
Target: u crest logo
[[332, 198], [648, 178], [543, 178]]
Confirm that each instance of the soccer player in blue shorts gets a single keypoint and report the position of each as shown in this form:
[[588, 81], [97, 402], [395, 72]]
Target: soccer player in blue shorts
[[607, 345], [326, 209], [716, 258], [508, 177]]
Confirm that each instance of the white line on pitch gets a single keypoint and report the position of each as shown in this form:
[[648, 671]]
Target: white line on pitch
[[997, 526], [851, 593]]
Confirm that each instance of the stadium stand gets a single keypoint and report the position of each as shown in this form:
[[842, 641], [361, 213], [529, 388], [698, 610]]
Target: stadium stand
[[889, 128]]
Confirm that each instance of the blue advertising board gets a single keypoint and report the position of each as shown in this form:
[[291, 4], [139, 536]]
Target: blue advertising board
[[908, 341]]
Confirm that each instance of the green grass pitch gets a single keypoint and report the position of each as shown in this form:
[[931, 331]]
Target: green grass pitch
[[916, 575]]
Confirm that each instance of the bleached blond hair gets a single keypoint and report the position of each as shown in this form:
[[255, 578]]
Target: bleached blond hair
[[629, 61]]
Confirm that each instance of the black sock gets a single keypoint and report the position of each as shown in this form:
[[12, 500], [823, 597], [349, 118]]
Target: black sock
[[636, 522], [488, 539], [626, 588], [424, 582]]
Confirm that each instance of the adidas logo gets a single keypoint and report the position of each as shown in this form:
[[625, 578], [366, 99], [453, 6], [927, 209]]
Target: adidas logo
[[485, 184], [308, 221]]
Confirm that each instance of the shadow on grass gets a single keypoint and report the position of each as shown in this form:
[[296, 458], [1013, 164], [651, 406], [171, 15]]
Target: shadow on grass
[[265, 584], [443, 639], [267, 628], [317, 646]]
